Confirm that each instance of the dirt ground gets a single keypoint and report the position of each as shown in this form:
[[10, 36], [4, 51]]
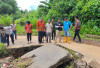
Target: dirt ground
[[91, 42], [90, 49]]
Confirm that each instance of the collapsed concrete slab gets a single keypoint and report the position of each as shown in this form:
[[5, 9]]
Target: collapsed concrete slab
[[48, 56]]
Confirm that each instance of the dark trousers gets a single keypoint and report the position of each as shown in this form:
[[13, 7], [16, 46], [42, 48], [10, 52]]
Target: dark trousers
[[7, 38], [3, 39], [29, 36], [15, 34], [53, 35], [77, 34], [40, 36]]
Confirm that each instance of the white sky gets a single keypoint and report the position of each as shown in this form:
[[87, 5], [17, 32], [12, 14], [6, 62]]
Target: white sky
[[28, 4]]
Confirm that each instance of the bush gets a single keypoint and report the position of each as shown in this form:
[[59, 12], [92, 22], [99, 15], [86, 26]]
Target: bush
[[21, 21], [20, 29], [3, 50], [6, 20]]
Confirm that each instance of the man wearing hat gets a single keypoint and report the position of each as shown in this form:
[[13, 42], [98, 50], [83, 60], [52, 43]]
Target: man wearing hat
[[67, 27], [59, 28]]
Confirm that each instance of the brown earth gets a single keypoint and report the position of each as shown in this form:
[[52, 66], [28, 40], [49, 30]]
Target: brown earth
[[89, 48]]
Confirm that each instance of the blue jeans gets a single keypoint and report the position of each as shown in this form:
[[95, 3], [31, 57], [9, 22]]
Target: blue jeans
[[49, 35], [66, 33], [15, 34]]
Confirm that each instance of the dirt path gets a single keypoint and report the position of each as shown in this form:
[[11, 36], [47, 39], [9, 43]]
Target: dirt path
[[90, 52]]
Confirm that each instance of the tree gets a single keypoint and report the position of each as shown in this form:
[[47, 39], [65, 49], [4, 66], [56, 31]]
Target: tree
[[8, 6]]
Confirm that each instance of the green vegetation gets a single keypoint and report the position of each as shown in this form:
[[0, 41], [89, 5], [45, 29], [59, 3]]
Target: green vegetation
[[67, 65], [87, 10], [8, 6], [3, 50]]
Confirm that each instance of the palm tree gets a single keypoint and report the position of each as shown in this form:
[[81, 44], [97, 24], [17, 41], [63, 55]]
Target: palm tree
[[46, 4]]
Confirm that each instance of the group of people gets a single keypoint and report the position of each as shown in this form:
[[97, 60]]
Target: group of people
[[50, 31], [55, 29], [7, 31]]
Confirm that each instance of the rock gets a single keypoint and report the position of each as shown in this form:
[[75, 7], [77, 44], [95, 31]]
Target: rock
[[94, 64], [48, 56], [80, 64]]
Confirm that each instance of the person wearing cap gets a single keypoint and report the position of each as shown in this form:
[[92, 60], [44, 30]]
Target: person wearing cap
[[77, 29], [40, 29], [28, 28], [48, 30], [59, 28], [14, 29], [67, 27]]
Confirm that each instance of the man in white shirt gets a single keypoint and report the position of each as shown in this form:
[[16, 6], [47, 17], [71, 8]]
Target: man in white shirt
[[14, 29], [48, 30], [8, 32]]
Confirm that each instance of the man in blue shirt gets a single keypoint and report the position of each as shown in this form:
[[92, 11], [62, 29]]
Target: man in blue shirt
[[67, 27]]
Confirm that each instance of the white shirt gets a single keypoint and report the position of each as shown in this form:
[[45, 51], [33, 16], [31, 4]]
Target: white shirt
[[8, 30], [48, 27], [13, 27]]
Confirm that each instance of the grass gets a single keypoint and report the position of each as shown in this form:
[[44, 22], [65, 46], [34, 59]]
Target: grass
[[3, 50], [70, 65], [82, 36], [67, 65]]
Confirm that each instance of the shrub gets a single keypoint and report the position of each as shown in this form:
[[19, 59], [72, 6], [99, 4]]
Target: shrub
[[6, 20], [21, 21], [3, 50]]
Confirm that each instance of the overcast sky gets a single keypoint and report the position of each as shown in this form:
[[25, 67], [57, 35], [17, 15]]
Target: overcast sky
[[28, 4]]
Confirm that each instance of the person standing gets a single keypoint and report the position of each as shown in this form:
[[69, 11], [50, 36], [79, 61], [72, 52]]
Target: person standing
[[40, 29], [49, 30], [53, 29], [77, 29], [8, 32], [59, 28], [2, 35], [28, 28], [14, 29], [44, 34], [67, 27]]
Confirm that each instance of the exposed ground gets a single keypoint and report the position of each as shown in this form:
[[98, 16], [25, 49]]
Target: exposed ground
[[90, 52]]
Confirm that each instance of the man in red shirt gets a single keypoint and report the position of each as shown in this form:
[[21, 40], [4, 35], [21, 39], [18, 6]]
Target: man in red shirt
[[40, 29]]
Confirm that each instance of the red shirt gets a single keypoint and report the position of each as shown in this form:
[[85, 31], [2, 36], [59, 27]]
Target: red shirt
[[40, 25], [28, 28]]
